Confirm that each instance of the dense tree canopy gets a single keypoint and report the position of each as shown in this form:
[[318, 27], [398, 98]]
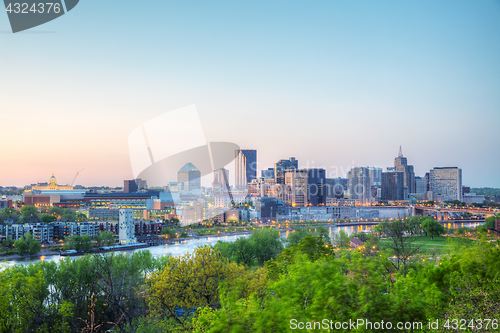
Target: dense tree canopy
[[105, 238], [9, 215], [29, 214], [78, 243], [220, 289], [169, 232], [489, 222], [27, 244], [432, 228]]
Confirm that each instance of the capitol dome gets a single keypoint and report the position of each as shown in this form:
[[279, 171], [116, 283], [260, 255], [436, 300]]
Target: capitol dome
[[52, 180]]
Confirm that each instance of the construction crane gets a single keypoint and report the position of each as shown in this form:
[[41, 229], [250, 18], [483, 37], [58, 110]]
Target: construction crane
[[75, 177]]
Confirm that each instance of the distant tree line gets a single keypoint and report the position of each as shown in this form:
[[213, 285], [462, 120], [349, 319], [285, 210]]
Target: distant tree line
[[30, 214]]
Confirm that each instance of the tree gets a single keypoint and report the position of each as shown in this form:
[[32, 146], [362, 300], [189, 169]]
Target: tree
[[266, 244], [99, 293], [47, 218], [189, 282], [241, 251], [295, 236], [244, 251], [315, 247], [56, 211], [27, 244], [69, 215], [86, 242], [362, 236], [481, 229], [21, 246], [432, 227], [78, 243], [170, 233], [30, 214], [8, 242], [489, 222], [9, 214], [401, 235], [341, 239], [105, 238], [80, 217], [34, 246]]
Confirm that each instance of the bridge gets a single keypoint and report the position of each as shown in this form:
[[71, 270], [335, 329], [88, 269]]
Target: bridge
[[443, 213], [359, 226]]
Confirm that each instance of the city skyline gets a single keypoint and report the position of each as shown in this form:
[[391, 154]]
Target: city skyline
[[332, 171], [335, 83]]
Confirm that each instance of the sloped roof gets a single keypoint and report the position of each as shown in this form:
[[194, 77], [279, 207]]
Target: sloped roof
[[189, 167], [356, 241]]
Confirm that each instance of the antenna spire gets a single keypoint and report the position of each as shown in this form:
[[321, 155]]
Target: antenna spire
[[400, 152]]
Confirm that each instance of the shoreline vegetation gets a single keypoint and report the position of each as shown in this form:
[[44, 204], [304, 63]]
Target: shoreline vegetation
[[292, 226], [259, 283]]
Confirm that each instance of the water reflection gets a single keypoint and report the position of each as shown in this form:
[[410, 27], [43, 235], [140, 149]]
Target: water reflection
[[183, 247]]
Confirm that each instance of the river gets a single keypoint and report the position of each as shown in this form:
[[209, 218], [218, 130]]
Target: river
[[189, 245]]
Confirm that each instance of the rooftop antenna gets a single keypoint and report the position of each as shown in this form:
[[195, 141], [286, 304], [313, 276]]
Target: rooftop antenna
[[400, 152]]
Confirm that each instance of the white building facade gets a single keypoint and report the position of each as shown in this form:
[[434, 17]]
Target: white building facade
[[446, 183]]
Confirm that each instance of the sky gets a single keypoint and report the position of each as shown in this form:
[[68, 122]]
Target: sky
[[333, 83]]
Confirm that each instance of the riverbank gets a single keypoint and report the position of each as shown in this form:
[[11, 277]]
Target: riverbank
[[16, 256], [47, 252]]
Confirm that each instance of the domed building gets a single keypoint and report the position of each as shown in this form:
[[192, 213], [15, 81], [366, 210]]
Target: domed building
[[51, 185]]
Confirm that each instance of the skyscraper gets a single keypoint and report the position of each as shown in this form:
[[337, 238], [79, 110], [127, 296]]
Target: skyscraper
[[134, 185], [296, 186], [280, 168], [335, 187], [401, 164], [129, 186], [188, 178], [420, 185], [245, 167], [375, 175], [316, 186], [360, 184], [446, 183], [219, 179], [392, 185], [268, 174]]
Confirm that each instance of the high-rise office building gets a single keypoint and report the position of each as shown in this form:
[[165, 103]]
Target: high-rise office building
[[296, 186], [188, 178], [129, 186], [401, 164], [446, 183], [360, 184], [375, 175], [219, 179], [420, 185], [392, 186], [335, 187], [283, 165], [245, 167], [134, 185], [268, 174], [316, 185]]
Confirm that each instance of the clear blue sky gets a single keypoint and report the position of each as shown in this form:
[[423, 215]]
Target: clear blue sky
[[333, 83]]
